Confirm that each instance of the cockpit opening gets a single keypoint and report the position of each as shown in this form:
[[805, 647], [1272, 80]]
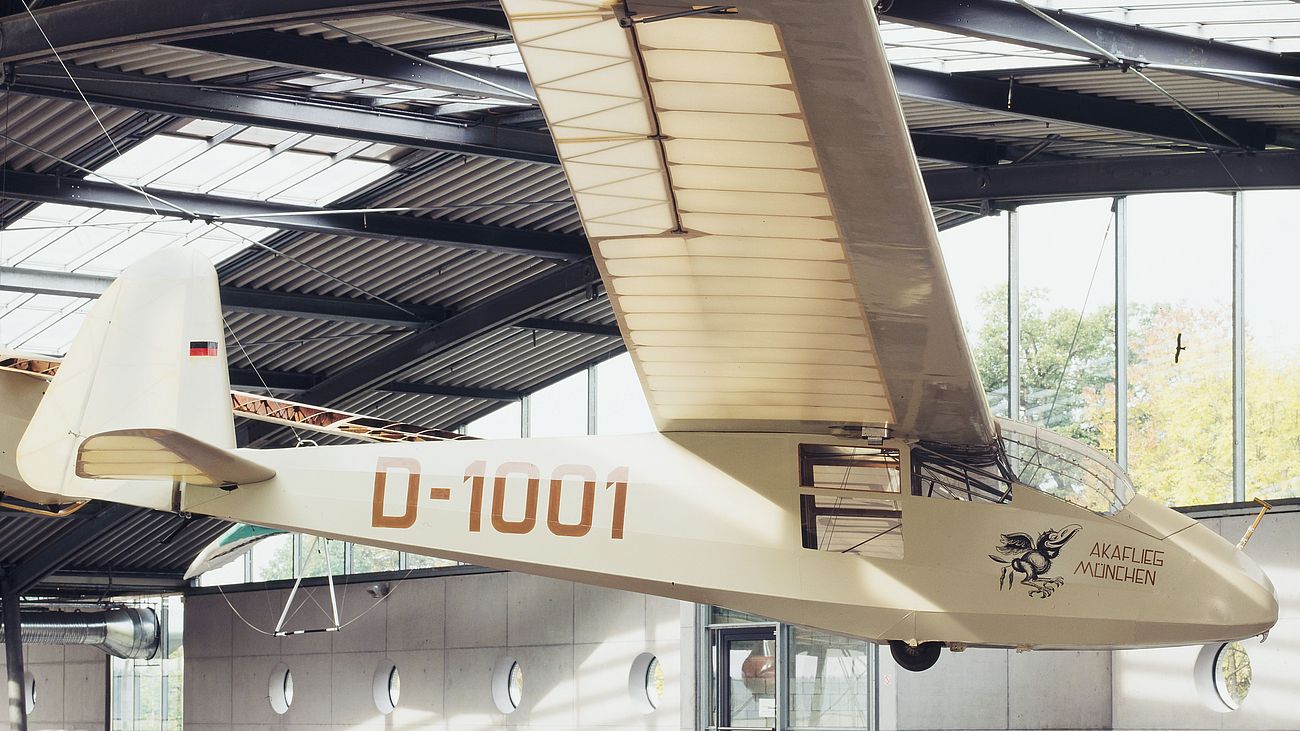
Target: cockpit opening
[[971, 475], [1064, 468]]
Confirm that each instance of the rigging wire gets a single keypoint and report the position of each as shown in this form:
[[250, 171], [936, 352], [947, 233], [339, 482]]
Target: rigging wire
[[1078, 326], [296, 435], [75, 85], [1132, 66], [511, 93]]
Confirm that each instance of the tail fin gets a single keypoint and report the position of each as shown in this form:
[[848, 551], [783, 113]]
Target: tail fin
[[150, 355]]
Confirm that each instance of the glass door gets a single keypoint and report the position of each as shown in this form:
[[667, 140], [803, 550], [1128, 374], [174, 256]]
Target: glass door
[[746, 677]]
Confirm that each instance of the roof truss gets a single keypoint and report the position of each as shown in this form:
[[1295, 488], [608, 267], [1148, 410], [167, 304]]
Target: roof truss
[[1001, 20], [43, 188], [263, 109], [362, 61]]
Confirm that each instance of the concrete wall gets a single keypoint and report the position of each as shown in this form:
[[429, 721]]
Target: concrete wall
[[1131, 690], [575, 644], [71, 688], [1156, 688]]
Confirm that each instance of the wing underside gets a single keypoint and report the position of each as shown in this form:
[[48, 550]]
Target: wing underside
[[748, 186]]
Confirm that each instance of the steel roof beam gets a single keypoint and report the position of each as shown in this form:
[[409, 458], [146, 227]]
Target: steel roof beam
[[322, 307], [1022, 100], [1001, 20], [90, 24], [236, 299], [107, 518], [500, 310], [1041, 181], [384, 226], [570, 326], [287, 304], [362, 61], [244, 377], [63, 284], [166, 96], [1007, 21]]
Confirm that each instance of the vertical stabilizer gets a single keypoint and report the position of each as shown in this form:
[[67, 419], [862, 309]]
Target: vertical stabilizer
[[150, 355]]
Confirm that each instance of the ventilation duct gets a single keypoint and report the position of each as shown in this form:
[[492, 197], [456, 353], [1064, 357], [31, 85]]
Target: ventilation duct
[[127, 632]]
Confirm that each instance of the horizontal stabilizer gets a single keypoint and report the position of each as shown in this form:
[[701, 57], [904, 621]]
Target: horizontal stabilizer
[[146, 454]]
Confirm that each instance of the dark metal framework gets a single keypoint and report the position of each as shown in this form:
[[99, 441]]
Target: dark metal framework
[[1000, 20], [265, 109], [385, 226]]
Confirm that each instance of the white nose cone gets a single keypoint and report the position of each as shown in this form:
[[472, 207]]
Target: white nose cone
[[1259, 603]]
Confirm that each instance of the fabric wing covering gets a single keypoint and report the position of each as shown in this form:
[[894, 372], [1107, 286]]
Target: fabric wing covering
[[748, 185]]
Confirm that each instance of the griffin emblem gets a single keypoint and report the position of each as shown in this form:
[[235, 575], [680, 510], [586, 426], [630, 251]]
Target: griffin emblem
[[1033, 559]]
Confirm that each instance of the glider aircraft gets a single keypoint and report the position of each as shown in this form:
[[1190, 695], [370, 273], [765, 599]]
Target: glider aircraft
[[824, 453]]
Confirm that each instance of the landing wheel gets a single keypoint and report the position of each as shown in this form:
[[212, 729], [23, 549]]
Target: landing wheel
[[915, 659]]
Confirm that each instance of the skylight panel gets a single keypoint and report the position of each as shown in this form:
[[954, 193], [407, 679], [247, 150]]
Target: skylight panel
[[58, 331], [307, 170], [263, 136], [36, 313], [500, 56], [144, 162], [204, 128], [323, 143], [256, 181], [333, 182], [197, 174], [71, 248]]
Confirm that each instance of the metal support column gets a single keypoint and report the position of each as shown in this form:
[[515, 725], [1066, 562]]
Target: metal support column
[[1013, 315], [704, 664], [14, 657], [1121, 332], [1238, 347]]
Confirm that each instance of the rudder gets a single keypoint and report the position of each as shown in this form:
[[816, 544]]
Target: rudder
[[150, 354]]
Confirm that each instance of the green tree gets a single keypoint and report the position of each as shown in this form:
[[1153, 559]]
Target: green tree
[[1065, 362]]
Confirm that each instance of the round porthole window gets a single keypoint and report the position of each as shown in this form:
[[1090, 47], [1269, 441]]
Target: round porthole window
[[280, 691], [1223, 676], [1232, 674], [387, 686], [507, 684], [29, 684], [646, 683]]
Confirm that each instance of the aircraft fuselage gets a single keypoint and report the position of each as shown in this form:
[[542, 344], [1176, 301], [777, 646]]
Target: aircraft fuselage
[[716, 518]]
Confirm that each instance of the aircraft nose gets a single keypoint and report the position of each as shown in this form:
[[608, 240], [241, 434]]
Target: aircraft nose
[[1259, 605]]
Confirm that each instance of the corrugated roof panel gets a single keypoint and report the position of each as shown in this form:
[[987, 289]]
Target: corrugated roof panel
[[490, 191], [167, 61], [392, 30], [398, 271], [53, 126], [1209, 96], [302, 345]]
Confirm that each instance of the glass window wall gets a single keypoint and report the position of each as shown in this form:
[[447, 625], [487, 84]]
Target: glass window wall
[[976, 258], [1180, 295], [1067, 319], [146, 695], [1272, 344], [1178, 341]]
